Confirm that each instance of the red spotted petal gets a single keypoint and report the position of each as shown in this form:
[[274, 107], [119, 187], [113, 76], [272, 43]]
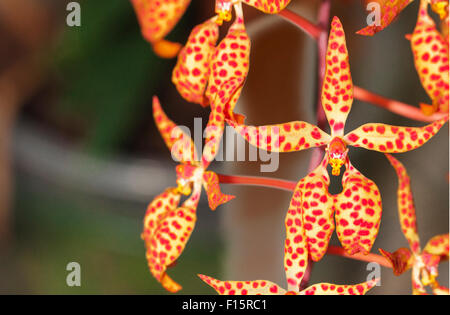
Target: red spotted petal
[[438, 245], [430, 50], [333, 289], [157, 18], [390, 9], [169, 238], [402, 259], [220, 110], [215, 196], [316, 205], [287, 137], [268, 6], [337, 89], [192, 70], [230, 60], [392, 139], [406, 209], [358, 212], [258, 287], [179, 143]]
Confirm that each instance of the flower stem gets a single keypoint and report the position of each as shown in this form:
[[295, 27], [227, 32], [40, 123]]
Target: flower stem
[[339, 251], [396, 107], [308, 27], [258, 181]]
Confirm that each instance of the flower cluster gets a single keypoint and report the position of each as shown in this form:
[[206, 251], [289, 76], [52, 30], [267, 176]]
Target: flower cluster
[[212, 75]]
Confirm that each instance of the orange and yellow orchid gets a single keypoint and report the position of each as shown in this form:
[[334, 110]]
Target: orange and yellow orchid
[[357, 209], [296, 263], [431, 54], [156, 19], [202, 68], [167, 227], [424, 263]]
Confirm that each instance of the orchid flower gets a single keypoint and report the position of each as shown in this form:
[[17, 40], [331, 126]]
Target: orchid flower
[[431, 56], [358, 208], [167, 227], [157, 18], [424, 264], [202, 68], [295, 262]]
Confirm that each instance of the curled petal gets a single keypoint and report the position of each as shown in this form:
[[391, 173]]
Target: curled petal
[[192, 70], [230, 60], [215, 196], [179, 142], [392, 139], [303, 233], [268, 6], [258, 287], [337, 89], [220, 110], [401, 260], [438, 245], [317, 208], [157, 19], [358, 212], [287, 137], [405, 203], [169, 239], [333, 289], [431, 53], [390, 9]]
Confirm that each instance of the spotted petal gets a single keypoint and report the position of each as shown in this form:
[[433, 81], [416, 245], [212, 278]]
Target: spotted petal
[[438, 245], [287, 137], [258, 287], [167, 242], [179, 142], [192, 70], [392, 139], [333, 289], [358, 212], [230, 59], [431, 53], [337, 89], [268, 6], [390, 9], [157, 18], [215, 196]]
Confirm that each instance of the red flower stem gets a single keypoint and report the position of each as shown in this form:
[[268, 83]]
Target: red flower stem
[[258, 181], [339, 251], [396, 107], [308, 27]]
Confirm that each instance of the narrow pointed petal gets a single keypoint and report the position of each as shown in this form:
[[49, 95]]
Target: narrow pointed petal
[[317, 208], [287, 137], [392, 139], [334, 289], [179, 143], [156, 19], [230, 59], [215, 196], [402, 259], [220, 110], [268, 6], [337, 89], [405, 204], [192, 70], [390, 9], [258, 287], [302, 234], [431, 53], [170, 238], [438, 245], [358, 212]]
